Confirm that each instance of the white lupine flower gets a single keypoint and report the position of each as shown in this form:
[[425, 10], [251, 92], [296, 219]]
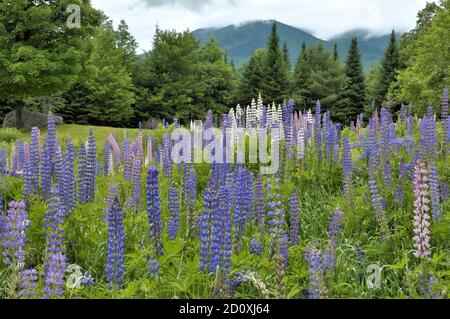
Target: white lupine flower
[[301, 143]]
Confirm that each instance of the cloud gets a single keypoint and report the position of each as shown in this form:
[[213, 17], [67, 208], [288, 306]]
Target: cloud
[[194, 5]]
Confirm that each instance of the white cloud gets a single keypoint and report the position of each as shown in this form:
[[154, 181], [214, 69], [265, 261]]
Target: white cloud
[[325, 18]]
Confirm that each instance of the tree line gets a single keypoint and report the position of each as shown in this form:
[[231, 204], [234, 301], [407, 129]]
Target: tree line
[[93, 74]]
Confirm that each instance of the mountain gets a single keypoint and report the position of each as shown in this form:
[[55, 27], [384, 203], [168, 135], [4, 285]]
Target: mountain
[[241, 40]]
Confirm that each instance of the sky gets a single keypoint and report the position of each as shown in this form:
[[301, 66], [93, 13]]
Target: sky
[[322, 18]]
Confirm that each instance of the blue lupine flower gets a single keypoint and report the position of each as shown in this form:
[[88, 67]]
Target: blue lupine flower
[[116, 246], [174, 220], [54, 275], [347, 168], [294, 220], [153, 207]]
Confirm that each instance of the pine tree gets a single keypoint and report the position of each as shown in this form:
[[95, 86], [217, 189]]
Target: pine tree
[[250, 82], [354, 95], [300, 79], [390, 65], [335, 52], [286, 58], [275, 77]]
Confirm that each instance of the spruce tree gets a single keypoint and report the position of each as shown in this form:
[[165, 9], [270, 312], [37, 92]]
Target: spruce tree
[[286, 57], [300, 79], [250, 82], [354, 94], [335, 52], [275, 77], [390, 65]]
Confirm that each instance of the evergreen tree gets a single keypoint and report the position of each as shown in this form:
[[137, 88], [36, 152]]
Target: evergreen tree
[[127, 43], [389, 67], [275, 77], [335, 52], [354, 94], [302, 70], [252, 73], [286, 58]]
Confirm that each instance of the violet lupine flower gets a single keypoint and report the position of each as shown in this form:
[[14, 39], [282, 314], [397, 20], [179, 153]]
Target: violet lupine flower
[[221, 236], [153, 267], [275, 216], [116, 150], [260, 209], [28, 283], [91, 157], [209, 120], [421, 208], [331, 142], [444, 108], [210, 208], [153, 207], [385, 149], [166, 158], [317, 131], [69, 183], [127, 160], [136, 179], [35, 158], [116, 246], [54, 276], [399, 195], [3, 162], [295, 216], [82, 176], [333, 233], [46, 173], [54, 222], [434, 193], [256, 246], [108, 166], [191, 199], [27, 182], [173, 223], [20, 156], [287, 122], [347, 171], [14, 225], [317, 269], [240, 208], [59, 171]]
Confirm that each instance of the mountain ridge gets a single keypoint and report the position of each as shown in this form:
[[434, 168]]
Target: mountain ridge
[[240, 40]]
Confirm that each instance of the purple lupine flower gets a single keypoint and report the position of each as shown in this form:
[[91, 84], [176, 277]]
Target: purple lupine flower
[[91, 160], [209, 120], [334, 231], [59, 171], [173, 223], [210, 208], [54, 276], [3, 162], [136, 179], [260, 209], [82, 176], [87, 280], [153, 207], [166, 158], [427, 283], [127, 160], [444, 108], [295, 216], [256, 246], [275, 217], [28, 283], [191, 199], [399, 195], [385, 150], [35, 158], [240, 208], [153, 267], [108, 166], [46, 173], [54, 222], [434, 193], [317, 269], [116, 246], [116, 150], [28, 180], [287, 122], [347, 165], [221, 237], [14, 225], [330, 142], [317, 131], [69, 183], [421, 208]]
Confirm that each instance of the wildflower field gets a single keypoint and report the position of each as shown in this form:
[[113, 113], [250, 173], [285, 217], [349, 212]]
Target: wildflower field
[[354, 211]]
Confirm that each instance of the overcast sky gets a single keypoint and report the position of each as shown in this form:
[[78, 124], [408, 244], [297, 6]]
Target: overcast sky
[[323, 18]]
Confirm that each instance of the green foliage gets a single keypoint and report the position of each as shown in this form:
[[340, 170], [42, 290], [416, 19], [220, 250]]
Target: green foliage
[[425, 54], [9, 135], [389, 67], [354, 93], [250, 81]]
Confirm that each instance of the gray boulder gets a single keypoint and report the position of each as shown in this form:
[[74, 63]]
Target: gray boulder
[[29, 119]]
